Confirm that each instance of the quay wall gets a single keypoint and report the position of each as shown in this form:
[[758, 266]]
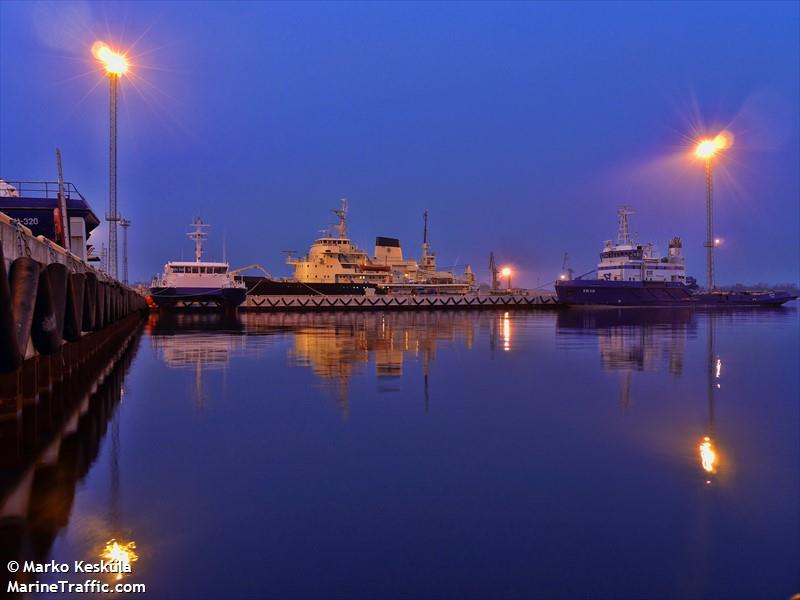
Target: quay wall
[[50, 298], [539, 300], [47, 451]]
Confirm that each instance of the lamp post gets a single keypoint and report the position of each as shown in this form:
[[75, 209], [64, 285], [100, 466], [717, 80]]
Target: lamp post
[[115, 65], [707, 150], [506, 272]]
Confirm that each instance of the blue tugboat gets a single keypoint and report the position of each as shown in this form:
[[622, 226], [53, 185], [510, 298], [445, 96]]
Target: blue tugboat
[[199, 283], [633, 274]]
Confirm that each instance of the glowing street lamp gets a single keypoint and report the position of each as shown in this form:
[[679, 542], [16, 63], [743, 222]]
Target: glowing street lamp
[[706, 150], [116, 65], [506, 272]]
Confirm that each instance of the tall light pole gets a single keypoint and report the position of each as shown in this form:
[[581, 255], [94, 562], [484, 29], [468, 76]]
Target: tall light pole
[[124, 223], [707, 150], [115, 65]]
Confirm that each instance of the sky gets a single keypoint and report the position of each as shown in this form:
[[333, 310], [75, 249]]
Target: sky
[[520, 127]]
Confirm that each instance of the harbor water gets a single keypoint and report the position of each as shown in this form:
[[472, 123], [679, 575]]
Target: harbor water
[[614, 454]]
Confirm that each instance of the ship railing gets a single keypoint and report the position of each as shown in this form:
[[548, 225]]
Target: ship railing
[[44, 189]]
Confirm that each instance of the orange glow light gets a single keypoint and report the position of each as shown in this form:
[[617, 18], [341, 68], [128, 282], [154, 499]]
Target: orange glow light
[[114, 63], [709, 148]]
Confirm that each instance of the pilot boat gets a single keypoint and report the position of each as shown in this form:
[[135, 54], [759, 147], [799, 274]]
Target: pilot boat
[[199, 283]]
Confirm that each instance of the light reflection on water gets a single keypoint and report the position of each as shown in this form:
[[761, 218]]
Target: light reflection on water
[[608, 454]]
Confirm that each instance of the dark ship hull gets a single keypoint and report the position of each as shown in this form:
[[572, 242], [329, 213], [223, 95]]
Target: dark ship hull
[[594, 292], [170, 297], [263, 286]]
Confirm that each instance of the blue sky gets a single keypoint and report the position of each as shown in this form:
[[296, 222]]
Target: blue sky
[[520, 127]]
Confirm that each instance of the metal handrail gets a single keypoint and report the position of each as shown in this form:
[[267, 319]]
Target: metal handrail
[[48, 188]]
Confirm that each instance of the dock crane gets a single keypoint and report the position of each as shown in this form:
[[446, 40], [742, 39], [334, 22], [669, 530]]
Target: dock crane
[[494, 271]]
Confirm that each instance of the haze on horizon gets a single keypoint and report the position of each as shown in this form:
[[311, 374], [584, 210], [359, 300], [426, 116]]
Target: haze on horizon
[[520, 127]]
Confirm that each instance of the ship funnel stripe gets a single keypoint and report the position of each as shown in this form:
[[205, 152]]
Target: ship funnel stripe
[[387, 241]]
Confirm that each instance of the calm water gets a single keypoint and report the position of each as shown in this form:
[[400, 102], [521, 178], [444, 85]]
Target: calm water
[[447, 455]]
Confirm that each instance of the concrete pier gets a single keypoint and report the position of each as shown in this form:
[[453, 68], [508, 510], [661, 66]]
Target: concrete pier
[[50, 300], [537, 300]]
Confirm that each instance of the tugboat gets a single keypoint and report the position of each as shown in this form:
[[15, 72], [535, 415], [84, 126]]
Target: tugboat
[[633, 274], [199, 283]]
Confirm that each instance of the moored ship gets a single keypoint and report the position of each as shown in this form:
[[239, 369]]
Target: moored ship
[[199, 283], [334, 265], [633, 274]]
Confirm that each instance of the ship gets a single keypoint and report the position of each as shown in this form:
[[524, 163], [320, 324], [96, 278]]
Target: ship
[[199, 283], [334, 265], [634, 274]]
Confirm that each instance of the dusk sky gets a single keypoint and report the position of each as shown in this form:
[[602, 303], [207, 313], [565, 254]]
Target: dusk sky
[[520, 127]]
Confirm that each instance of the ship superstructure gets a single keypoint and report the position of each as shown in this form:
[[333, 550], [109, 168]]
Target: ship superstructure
[[631, 274], [410, 276], [630, 261], [199, 282], [333, 258]]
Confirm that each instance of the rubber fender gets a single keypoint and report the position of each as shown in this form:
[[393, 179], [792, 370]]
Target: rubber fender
[[10, 353], [24, 285], [89, 298], [48, 315], [100, 306], [73, 314]]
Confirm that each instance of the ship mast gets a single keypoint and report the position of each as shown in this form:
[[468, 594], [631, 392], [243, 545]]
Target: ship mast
[[341, 213], [198, 235], [624, 235], [424, 236]]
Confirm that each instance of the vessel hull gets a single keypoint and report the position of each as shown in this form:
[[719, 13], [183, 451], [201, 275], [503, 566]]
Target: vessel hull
[[171, 297], [263, 286], [623, 293], [594, 292], [740, 299]]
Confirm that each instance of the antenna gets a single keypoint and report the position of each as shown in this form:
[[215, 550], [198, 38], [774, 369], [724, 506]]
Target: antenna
[[624, 235], [198, 235], [341, 214]]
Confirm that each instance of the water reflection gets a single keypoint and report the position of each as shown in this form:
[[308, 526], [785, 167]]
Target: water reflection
[[337, 346], [204, 349], [49, 450], [528, 453], [334, 346], [631, 340]]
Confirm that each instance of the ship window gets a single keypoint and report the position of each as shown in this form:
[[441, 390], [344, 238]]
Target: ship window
[[194, 269]]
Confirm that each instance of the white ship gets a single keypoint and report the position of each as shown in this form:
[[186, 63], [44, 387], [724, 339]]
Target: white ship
[[199, 283]]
